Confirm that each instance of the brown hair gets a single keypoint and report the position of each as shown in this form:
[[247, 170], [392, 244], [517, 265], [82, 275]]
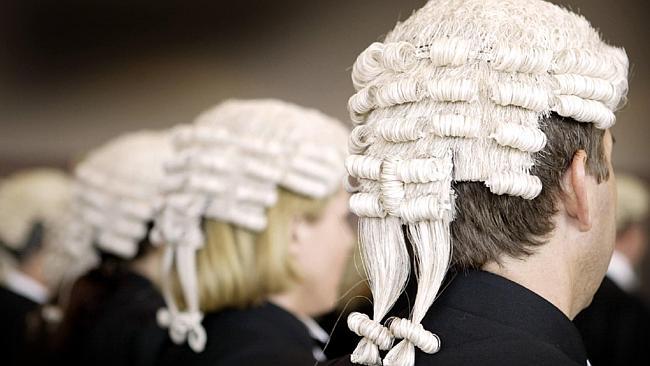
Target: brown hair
[[488, 226]]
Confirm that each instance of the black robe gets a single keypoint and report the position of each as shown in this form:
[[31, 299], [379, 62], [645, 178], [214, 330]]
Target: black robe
[[122, 331], [615, 327], [15, 335], [259, 336], [484, 319]]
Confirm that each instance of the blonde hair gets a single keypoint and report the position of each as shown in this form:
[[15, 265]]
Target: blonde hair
[[239, 268], [228, 166]]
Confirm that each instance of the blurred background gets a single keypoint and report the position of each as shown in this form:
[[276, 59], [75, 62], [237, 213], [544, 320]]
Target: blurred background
[[74, 73]]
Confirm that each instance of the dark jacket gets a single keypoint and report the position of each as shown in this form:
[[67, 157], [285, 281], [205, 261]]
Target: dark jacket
[[484, 319], [615, 327], [15, 325], [258, 336], [118, 328]]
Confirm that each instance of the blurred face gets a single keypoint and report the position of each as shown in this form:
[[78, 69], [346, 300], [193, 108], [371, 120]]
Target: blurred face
[[633, 244], [321, 250]]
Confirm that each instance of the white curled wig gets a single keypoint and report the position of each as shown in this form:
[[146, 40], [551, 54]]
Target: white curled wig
[[456, 93], [34, 197], [228, 166], [118, 193]]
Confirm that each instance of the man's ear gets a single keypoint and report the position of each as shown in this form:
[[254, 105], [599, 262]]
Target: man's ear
[[575, 193]]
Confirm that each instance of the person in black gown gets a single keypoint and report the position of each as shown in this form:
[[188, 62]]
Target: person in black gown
[[273, 240], [33, 204], [110, 317], [483, 149]]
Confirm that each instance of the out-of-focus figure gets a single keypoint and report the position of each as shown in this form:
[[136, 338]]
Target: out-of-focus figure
[[110, 318], [616, 326], [258, 235], [631, 236], [33, 211]]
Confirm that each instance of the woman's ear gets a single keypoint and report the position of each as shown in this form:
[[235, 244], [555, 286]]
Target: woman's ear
[[298, 235], [575, 195]]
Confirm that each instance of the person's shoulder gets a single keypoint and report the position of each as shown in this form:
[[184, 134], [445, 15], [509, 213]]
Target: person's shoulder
[[609, 295], [611, 302], [233, 346], [272, 355], [343, 361], [236, 323], [230, 330], [7, 295], [12, 303], [139, 302], [501, 351], [489, 352], [258, 323]]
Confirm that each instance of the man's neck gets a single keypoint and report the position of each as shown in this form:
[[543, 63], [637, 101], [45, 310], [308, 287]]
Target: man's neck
[[546, 275]]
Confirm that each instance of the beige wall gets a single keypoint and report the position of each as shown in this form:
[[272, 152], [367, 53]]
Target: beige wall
[[303, 57]]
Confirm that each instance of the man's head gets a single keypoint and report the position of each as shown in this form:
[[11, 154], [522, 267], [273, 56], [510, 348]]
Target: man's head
[[481, 127], [572, 218], [489, 227]]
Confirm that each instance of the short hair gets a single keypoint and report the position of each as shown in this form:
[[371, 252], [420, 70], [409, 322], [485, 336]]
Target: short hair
[[488, 226]]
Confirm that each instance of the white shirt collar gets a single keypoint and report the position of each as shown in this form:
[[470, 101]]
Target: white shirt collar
[[25, 286], [622, 273], [317, 333], [315, 330]]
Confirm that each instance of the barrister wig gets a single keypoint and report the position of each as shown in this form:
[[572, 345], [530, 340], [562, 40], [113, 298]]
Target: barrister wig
[[229, 166], [118, 193], [34, 212], [456, 93]]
